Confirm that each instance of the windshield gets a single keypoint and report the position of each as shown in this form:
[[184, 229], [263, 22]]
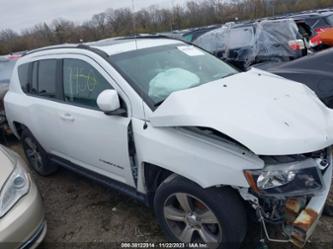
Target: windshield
[[157, 72], [6, 69]]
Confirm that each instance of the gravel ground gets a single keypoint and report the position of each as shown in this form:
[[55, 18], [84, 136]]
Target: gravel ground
[[83, 214]]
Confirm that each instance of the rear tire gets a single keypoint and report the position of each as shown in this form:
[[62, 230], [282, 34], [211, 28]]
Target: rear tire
[[38, 158], [189, 213]]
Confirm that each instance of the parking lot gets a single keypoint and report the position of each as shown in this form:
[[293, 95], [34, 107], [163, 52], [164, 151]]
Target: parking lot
[[83, 214]]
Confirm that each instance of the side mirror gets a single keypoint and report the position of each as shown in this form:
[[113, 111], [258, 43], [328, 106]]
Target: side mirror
[[108, 102]]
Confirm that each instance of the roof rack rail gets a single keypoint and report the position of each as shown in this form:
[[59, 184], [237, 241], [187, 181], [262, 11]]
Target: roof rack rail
[[144, 36], [64, 46], [153, 36], [50, 47], [93, 49]]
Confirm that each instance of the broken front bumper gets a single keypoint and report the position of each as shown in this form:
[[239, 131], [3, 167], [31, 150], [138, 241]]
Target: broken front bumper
[[304, 224]]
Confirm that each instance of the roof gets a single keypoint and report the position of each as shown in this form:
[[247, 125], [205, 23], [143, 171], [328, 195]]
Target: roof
[[305, 14], [311, 15], [116, 45]]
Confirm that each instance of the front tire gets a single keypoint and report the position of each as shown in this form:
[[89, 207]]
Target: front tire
[[189, 213], [36, 155]]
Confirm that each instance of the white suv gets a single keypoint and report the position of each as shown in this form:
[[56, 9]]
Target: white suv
[[180, 130]]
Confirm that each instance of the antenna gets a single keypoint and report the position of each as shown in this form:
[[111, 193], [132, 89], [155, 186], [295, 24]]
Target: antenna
[[134, 25], [172, 17]]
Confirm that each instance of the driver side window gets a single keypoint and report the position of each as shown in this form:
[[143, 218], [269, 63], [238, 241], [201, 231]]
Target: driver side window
[[82, 83]]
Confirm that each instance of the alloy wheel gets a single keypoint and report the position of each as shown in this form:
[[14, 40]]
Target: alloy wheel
[[191, 220], [33, 153]]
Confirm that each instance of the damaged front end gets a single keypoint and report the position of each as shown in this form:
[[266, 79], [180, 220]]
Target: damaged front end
[[290, 192]]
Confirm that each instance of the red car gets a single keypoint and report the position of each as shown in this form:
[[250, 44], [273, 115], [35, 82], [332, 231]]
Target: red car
[[323, 38], [322, 24]]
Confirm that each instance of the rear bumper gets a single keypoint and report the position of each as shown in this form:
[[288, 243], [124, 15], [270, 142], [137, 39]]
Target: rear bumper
[[305, 223]]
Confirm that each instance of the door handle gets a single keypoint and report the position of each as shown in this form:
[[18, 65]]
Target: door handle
[[67, 117]]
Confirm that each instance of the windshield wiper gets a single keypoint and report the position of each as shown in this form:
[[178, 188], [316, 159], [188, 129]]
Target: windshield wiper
[[158, 103], [221, 76], [227, 75]]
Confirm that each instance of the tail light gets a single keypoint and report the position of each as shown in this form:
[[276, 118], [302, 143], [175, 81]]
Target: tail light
[[13, 57], [315, 41], [296, 45]]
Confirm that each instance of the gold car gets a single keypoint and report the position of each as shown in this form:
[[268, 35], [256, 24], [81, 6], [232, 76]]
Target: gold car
[[22, 222]]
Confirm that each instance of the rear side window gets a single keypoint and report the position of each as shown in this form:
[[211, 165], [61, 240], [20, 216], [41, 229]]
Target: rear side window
[[23, 73], [82, 83], [47, 77]]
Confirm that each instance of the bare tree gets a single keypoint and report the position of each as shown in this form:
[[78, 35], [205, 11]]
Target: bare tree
[[152, 19]]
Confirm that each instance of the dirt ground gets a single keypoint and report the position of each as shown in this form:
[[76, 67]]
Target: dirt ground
[[83, 214]]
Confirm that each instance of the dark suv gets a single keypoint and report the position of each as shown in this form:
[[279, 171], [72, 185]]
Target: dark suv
[[257, 42]]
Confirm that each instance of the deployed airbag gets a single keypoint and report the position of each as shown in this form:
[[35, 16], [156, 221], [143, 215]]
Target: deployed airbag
[[171, 80]]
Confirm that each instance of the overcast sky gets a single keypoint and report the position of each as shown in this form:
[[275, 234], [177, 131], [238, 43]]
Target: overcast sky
[[21, 14]]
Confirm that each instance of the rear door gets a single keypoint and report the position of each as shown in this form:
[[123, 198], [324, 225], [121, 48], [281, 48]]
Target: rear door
[[43, 103]]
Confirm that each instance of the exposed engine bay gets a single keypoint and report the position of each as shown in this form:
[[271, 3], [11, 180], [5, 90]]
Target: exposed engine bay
[[289, 196]]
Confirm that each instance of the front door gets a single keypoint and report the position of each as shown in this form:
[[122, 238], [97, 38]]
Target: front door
[[92, 139]]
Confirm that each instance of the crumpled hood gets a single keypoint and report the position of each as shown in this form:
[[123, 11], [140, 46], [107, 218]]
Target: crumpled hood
[[266, 113]]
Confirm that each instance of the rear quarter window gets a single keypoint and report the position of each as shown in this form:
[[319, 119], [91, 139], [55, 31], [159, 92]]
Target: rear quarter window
[[23, 73]]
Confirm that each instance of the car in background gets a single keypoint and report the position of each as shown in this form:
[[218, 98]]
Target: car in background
[[175, 34], [7, 63], [22, 222], [195, 33], [260, 42], [322, 23], [323, 39], [314, 70], [190, 35]]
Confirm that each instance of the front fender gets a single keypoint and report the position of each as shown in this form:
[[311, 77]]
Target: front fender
[[204, 161]]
